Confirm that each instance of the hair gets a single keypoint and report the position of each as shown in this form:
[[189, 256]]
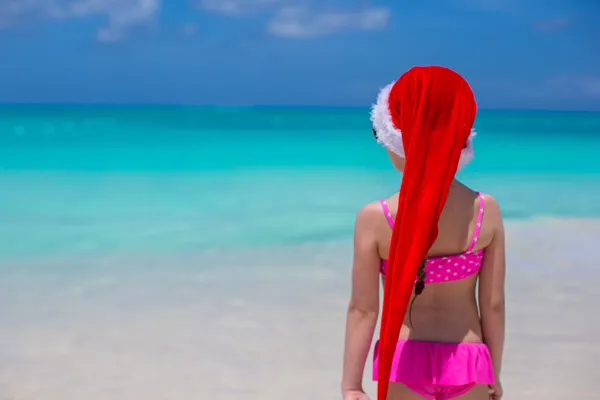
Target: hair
[[433, 109], [419, 287]]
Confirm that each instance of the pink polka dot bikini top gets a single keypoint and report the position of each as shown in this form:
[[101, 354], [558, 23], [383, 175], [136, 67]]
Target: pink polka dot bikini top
[[452, 267]]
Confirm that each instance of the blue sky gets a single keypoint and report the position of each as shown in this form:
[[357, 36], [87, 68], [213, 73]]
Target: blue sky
[[533, 54]]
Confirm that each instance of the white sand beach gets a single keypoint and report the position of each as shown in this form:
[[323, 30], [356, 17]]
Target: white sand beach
[[268, 324]]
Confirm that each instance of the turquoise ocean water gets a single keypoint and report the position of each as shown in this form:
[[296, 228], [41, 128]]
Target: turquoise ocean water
[[97, 179]]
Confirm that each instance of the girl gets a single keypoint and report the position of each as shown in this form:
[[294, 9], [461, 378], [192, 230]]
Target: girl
[[444, 237]]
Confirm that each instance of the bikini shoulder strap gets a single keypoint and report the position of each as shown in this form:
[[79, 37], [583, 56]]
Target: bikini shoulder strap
[[386, 212], [478, 224]]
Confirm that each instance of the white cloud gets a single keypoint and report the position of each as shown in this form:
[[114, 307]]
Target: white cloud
[[301, 22], [235, 7], [121, 14]]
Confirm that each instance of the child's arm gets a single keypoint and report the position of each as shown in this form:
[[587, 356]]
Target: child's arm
[[491, 288], [363, 308]]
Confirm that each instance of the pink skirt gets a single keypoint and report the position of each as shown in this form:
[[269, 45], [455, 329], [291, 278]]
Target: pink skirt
[[443, 364]]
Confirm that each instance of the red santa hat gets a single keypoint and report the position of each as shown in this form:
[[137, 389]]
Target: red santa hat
[[391, 137], [426, 117]]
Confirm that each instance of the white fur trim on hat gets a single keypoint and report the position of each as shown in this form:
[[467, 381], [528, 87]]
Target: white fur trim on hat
[[391, 137]]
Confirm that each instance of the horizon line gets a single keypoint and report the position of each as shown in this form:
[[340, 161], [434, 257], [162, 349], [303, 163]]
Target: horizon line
[[262, 106]]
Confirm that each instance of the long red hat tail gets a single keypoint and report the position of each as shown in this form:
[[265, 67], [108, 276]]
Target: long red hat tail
[[433, 108]]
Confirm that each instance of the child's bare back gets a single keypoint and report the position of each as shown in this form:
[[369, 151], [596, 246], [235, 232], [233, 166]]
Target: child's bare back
[[447, 312]]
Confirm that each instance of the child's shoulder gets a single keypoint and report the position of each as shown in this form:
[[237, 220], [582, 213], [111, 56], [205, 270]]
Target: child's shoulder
[[370, 210], [492, 215], [370, 215], [491, 204]]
